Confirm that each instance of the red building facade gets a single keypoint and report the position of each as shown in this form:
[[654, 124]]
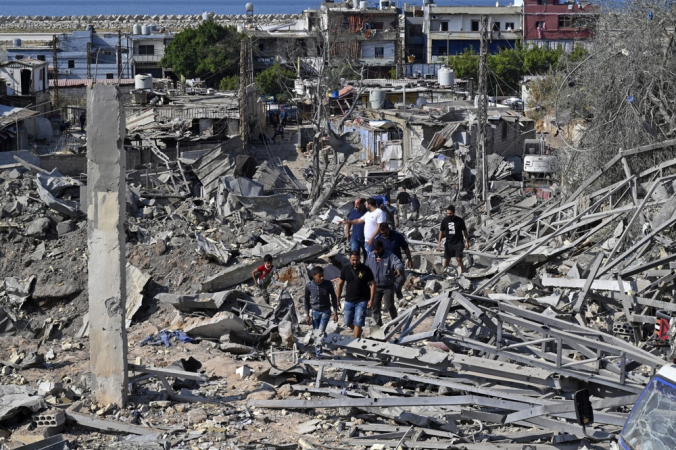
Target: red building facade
[[557, 23]]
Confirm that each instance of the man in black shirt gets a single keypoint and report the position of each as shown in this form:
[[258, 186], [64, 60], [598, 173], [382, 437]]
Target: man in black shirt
[[361, 288], [453, 228], [395, 242], [403, 199]]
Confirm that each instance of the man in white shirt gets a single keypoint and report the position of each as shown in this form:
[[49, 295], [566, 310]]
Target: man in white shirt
[[371, 220]]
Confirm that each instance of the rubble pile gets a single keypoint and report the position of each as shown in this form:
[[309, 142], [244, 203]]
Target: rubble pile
[[560, 294]]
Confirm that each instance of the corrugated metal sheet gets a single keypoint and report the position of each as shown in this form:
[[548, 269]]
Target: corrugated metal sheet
[[10, 115], [69, 82]]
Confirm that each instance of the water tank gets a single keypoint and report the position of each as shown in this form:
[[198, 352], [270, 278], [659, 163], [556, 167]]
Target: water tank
[[377, 99], [249, 7], [143, 82], [153, 27], [207, 15], [145, 30], [422, 101], [299, 87], [16, 42], [137, 28], [363, 5], [446, 77]]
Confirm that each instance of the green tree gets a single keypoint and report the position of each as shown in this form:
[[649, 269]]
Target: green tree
[[505, 71], [507, 67], [578, 54], [275, 80], [465, 65], [210, 52], [230, 83]]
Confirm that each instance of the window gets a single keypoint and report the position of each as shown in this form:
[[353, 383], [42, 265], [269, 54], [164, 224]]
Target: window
[[571, 22], [380, 52], [377, 25], [542, 2], [41, 57], [475, 25], [17, 57], [496, 26], [509, 26], [71, 64], [540, 24], [109, 76], [504, 130], [146, 49], [444, 26], [441, 51]]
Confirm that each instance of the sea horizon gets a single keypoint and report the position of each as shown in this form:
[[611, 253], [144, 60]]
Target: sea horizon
[[181, 7]]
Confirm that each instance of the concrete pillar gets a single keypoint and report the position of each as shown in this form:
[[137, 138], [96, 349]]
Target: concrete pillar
[[105, 239]]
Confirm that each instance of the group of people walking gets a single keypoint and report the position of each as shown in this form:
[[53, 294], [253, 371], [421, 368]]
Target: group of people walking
[[376, 272]]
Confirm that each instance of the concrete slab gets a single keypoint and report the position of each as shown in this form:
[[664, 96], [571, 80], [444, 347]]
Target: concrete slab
[[215, 327]]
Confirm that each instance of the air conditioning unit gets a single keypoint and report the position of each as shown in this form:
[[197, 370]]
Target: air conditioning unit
[[570, 7], [434, 17], [66, 71]]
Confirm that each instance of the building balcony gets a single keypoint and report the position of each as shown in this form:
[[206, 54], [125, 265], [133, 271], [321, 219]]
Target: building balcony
[[147, 58], [474, 35], [377, 62]]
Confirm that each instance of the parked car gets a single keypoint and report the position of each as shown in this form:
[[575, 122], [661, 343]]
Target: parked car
[[512, 101]]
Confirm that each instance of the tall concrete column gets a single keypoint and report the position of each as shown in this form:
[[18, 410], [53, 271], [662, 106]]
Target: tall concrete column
[[105, 239]]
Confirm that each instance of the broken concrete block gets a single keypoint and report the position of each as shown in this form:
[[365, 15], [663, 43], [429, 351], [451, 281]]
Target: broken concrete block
[[11, 209], [65, 227], [243, 371], [285, 329], [200, 301], [236, 348], [264, 392], [39, 252], [19, 290], [432, 286], [38, 228], [214, 327], [197, 415], [308, 427], [136, 284]]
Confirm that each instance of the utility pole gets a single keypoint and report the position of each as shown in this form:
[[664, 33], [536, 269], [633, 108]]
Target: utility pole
[[89, 60], [482, 187], [56, 72], [245, 73], [119, 54]]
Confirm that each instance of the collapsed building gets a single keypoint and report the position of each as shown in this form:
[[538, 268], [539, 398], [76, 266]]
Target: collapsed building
[[563, 292]]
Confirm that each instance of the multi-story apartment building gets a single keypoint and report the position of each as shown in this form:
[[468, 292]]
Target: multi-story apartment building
[[86, 54], [450, 30], [365, 36]]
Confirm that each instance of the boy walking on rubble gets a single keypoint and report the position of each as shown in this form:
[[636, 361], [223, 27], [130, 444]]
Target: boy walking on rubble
[[262, 276]]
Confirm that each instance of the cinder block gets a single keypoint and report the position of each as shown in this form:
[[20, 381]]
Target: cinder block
[[50, 418]]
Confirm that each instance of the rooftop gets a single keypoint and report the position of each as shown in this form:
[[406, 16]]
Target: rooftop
[[10, 114], [26, 62]]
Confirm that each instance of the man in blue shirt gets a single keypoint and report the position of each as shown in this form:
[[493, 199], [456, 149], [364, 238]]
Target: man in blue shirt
[[355, 233], [395, 242]]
